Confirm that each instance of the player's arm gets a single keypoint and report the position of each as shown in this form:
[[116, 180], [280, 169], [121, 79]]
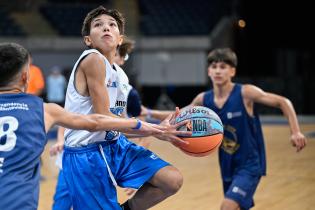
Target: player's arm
[[54, 114], [253, 94], [171, 134], [144, 142], [133, 103], [161, 114], [135, 108], [153, 113], [198, 100], [58, 146], [94, 69]]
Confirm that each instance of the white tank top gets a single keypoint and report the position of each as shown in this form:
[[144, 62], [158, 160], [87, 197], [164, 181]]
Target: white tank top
[[77, 103], [123, 89]]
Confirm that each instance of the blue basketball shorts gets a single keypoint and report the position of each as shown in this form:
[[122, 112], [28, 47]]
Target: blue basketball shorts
[[241, 189], [62, 199], [88, 178]]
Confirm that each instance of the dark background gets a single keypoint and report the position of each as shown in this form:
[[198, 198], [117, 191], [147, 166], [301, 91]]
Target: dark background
[[276, 48], [276, 51]]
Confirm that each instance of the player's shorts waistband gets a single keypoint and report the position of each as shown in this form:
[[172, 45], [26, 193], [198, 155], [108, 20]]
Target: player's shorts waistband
[[89, 147]]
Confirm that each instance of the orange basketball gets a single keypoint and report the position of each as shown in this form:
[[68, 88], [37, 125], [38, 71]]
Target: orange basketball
[[206, 127]]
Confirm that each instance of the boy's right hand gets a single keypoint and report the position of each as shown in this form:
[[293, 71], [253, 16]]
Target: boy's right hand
[[56, 148], [171, 133], [149, 129]]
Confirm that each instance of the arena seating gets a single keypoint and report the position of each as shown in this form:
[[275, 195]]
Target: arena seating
[[7, 25], [66, 18], [177, 18]]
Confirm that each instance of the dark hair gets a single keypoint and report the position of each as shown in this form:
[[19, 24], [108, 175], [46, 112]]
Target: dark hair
[[225, 55], [12, 58], [100, 11], [126, 47]]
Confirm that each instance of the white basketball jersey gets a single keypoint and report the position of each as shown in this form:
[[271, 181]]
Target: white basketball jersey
[[77, 103], [123, 89]]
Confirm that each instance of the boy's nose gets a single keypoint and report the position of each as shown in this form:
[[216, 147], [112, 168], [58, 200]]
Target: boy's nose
[[106, 27]]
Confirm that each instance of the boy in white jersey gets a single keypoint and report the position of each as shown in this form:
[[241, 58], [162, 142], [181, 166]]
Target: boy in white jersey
[[24, 121], [124, 103], [94, 163]]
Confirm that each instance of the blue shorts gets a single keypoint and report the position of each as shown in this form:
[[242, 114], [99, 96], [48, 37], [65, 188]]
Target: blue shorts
[[88, 179], [241, 189], [62, 199]]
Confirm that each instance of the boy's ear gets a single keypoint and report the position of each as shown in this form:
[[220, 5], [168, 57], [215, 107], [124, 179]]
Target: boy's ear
[[87, 41], [121, 39], [25, 75], [24, 78], [233, 71]]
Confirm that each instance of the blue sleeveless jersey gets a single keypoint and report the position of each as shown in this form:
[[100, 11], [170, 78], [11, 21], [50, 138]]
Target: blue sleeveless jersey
[[242, 149], [22, 140]]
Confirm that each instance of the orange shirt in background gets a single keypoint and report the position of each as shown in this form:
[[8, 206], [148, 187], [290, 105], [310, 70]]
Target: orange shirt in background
[[36, 81]]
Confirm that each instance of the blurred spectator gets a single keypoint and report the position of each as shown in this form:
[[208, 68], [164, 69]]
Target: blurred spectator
[[36, 83], [56, 84]]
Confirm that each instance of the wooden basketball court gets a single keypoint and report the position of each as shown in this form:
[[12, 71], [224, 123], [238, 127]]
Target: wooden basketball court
[[289, 184]]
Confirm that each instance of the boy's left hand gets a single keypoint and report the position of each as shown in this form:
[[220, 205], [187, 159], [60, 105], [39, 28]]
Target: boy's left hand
[[171, 133], [298, 140]]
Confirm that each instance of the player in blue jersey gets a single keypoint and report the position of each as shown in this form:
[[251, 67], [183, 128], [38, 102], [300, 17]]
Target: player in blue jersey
[[94, 163], [242, 153], [24, 121]]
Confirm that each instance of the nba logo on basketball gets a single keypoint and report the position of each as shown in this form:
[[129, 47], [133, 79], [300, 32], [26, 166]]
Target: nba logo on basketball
[[199, 125], [206, 127]]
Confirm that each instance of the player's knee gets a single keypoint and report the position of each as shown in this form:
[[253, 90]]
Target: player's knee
[[174, 182]]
